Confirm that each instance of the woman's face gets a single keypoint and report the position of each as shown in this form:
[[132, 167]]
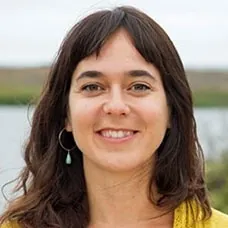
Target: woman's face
[[118, 111]]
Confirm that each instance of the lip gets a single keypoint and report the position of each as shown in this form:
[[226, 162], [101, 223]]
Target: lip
[[116, 129], [117, 140]]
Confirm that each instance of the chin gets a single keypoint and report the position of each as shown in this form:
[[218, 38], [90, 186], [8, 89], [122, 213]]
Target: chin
[[123, 165]]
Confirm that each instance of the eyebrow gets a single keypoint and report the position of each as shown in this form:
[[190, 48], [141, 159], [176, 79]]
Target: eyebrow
[[98, 74]]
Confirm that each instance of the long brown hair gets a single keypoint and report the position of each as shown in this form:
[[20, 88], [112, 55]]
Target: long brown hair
[[54, 194]]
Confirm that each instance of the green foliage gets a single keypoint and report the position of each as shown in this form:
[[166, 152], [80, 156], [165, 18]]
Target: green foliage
[[217, 181], [18, 95], [208, 98], [22, 94]]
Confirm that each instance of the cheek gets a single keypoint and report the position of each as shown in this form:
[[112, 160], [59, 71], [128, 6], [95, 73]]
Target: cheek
[[82, 114], [155, 114]]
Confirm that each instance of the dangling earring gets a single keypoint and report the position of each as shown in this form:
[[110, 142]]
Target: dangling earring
[[68, 159]]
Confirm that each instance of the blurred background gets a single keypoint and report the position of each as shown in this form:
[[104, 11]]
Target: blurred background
[[32, 31]]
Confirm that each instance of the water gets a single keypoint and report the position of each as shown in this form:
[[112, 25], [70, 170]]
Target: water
[[14, 128]]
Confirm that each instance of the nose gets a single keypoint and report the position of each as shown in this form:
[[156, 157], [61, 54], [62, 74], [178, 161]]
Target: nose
[[115, 104]]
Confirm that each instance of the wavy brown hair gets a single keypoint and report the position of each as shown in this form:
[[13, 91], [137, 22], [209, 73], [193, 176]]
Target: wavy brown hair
[[54, 194]]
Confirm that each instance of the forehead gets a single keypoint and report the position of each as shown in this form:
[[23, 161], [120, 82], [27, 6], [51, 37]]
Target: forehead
[[118, 54]]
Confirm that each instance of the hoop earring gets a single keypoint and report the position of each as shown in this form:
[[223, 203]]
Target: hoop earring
[[68, 159]]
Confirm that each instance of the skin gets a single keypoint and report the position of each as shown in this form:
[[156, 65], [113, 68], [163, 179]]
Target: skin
[[118, 90]]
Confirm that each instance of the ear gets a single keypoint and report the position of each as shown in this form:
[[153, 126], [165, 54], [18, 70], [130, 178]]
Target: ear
[[68, 125]]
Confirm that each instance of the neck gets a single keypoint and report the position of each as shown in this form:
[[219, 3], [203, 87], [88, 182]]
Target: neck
[[121, 199]]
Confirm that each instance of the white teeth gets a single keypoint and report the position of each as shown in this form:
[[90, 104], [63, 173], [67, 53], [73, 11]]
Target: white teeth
[[120, 134], [116, 134]]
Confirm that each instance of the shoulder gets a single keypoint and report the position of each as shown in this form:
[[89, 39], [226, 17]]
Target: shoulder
[[185, 214], [218, 219], [9, 225]]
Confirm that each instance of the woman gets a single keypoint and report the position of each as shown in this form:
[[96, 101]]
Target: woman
[[113, 140]]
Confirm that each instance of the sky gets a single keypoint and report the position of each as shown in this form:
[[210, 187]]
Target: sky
[[32, 31]]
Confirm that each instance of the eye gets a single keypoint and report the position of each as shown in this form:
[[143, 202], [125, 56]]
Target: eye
[[140, 87], [92, 88]]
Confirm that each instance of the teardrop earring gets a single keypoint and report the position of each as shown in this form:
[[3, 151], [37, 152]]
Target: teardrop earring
[[68, 159]]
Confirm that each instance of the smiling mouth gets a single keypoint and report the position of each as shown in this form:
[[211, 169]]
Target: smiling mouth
[[117, 134]]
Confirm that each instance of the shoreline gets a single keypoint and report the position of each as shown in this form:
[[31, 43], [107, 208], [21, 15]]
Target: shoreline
[[29, 95], [21, 85]]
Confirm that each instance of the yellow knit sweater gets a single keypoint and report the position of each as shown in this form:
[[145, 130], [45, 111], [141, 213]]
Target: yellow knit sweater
[[183, 218]]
